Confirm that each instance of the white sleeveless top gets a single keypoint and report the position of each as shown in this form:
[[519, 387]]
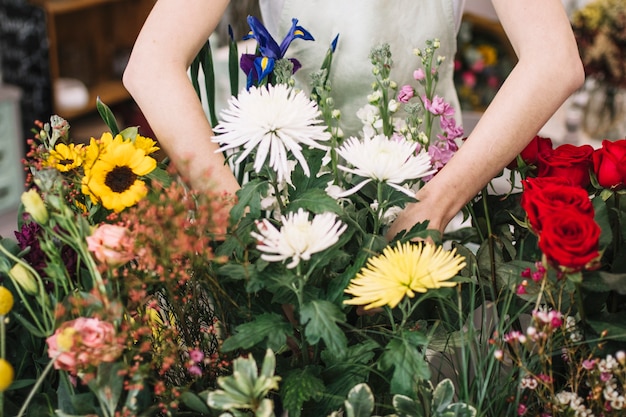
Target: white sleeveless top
[[361, 25]]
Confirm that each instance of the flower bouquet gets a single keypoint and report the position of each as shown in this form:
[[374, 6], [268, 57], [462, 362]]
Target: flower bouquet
[[126, 293]]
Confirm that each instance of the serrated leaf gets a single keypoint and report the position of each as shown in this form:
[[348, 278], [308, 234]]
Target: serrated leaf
[[316, 201], [361, 400], [268, 326], [320, 319], [298, 387], [407, 363]]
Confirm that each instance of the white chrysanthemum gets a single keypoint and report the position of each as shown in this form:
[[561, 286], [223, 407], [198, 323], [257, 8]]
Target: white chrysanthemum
[[298, 238], [381, 159], [271, 120]]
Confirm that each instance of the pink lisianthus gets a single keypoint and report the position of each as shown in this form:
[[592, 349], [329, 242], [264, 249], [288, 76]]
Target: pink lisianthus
[[83, 343], [111, 244], [438, 106], [406, 93]]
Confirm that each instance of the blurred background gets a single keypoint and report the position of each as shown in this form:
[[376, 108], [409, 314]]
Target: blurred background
[[57, 56]]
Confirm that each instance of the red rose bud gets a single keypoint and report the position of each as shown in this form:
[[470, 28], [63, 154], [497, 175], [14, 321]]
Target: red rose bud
[[609, 164], [530, 154], [568, 161]]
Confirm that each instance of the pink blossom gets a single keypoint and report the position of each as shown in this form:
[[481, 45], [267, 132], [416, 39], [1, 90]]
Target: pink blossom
[[438, 106], [521, 410], [405, 94], [419, 74], [478, 65], [82, 343], [111, 244], [196, 355], [450, 128], [194, 370]]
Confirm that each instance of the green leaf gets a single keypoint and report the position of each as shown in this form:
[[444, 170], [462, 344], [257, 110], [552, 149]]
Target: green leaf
[[107, 385], [407, 407], [299, 386], [249, 198], [270, 327], [613, 324], [107, 116], [361, 401], [601, 217], [457, 410], [408, 364], [233, 64], [194, 402], [320, 318], [443, 395], [316, 201]]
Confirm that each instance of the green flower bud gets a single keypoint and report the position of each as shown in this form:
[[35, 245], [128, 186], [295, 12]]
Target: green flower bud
[[21, 276], [34, 205]]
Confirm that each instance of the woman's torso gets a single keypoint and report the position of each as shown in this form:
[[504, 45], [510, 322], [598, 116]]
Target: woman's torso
[[361, 25]]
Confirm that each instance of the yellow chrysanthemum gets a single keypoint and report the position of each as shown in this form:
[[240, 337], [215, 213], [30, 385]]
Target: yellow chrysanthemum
[[6, 375], [66, 157], [6, 301], [401, 271], [114, 178], [146, 144]]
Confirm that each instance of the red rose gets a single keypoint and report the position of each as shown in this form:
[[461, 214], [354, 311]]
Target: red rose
[[609, 164], [546, 195], [569, 239], [530, 154], [568, 161]]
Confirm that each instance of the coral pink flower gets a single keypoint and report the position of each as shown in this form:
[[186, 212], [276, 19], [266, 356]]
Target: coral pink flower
[[82, 343], [111, 244]]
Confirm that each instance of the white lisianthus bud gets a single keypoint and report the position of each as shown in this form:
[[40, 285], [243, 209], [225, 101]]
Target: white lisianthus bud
[[393, 106], [393, 84], [35, 206], [440, 59], [336, 114], [436, 43], [621, 357], [21, 276], [417, 52]]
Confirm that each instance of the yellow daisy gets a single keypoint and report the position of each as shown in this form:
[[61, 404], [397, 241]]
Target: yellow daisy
[[66, 157], [401, 271], [114, 178]]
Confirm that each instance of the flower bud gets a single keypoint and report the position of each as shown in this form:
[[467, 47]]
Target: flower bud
[[6, 301], [621, 357], [21, 276], [35, 206]]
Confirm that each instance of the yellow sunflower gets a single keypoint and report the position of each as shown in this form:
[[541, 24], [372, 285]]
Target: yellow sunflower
[[95, 149], [66, 157], [114, 178], [401, 271]]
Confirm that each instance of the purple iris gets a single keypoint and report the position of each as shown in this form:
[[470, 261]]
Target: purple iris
[[259, 66]]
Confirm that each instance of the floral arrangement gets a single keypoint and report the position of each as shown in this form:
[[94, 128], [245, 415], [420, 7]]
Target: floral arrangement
[[600, 29], [126, 293]]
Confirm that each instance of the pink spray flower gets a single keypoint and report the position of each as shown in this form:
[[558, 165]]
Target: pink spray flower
[[405, 94], [111, 244]]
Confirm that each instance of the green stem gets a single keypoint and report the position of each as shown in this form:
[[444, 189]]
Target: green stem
[[36, 386]]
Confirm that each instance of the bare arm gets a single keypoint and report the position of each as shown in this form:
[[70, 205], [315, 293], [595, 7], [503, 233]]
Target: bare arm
[[548, 71], [156, 77]]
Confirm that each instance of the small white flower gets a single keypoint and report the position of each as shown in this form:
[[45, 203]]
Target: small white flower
[[298, 238], [272, 120], [380, 159]]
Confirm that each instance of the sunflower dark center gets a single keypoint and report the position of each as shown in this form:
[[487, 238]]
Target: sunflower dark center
[[120, 179]]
